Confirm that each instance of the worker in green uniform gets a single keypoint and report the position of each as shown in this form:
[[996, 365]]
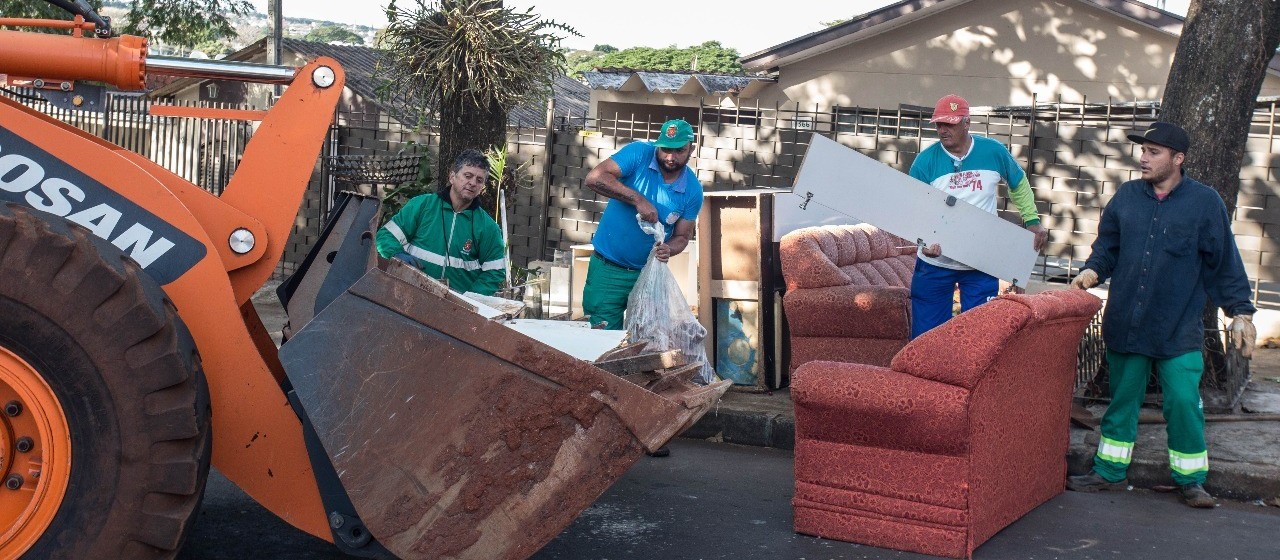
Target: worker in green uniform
[[447, 235]]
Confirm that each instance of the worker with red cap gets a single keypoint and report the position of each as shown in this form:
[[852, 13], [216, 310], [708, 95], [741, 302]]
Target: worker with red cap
[[968, 167]]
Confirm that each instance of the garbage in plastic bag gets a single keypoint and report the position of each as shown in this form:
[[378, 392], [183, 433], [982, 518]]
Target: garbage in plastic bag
[[658, 312]]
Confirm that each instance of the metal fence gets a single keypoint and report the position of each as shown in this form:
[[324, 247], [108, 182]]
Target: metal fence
[[203, 151], [1226, 372]]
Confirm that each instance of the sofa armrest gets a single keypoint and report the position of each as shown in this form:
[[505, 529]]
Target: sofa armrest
[[850, 311], [858, 404]]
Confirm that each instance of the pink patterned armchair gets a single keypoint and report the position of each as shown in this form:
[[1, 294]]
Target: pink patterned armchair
[[848, 293], [964, 433]]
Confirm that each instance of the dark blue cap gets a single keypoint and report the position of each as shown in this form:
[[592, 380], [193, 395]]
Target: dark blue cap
[[1165, 134]]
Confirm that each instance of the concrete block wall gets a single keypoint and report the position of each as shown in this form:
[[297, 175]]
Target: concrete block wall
[[1074, 169]]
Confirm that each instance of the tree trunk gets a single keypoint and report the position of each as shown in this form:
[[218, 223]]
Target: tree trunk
[[1212, 89], [463, 126], [1213, 84]]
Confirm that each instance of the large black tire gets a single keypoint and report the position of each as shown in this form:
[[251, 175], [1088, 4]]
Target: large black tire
[[124, 368]]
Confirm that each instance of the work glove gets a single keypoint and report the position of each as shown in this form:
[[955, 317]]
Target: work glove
[[1085, 280], [407, 259], [1244, 334]]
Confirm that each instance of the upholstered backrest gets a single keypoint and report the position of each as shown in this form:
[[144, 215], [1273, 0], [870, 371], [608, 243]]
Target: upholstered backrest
[[824, 256], [961, 350]]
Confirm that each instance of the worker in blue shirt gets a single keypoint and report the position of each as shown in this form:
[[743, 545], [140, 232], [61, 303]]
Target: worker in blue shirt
[[1165, 242], [652, 180], [970, 168]]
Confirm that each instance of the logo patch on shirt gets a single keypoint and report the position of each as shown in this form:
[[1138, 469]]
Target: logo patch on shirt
[[466, 247], [971, 180], [672, 217]]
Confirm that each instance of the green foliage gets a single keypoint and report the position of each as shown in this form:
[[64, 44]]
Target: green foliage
[[605, 48], [179, 23], [39, 10], [474, 51], [470, 62], [214, 47], [330, 33], [710, 56], [424, 182], [184, 23], [834, 22], [503, 177]]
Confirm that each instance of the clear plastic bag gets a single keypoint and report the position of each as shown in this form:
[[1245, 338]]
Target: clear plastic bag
[[658, 312]]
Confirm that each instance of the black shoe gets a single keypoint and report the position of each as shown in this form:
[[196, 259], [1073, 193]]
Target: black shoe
[[1195, 496], [1093, 482], [663, 451]]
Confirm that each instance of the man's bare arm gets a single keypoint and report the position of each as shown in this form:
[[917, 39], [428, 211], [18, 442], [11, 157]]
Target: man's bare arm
[[679, 240], [605, 179]]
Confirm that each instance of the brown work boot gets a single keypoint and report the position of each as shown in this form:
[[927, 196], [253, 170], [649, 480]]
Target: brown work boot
[[1196, 496], [1093, 482]]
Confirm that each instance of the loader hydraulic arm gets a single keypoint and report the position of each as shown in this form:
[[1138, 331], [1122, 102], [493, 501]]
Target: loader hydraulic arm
[[253, 217]]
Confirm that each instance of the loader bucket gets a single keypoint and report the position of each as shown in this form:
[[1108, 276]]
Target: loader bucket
[[455, 436]]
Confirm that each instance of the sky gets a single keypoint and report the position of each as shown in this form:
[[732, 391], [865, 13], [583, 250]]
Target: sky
[[747, 25]]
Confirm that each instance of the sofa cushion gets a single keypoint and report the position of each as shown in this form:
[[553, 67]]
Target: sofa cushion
[[823, 256], [877, 407], [850, 312]]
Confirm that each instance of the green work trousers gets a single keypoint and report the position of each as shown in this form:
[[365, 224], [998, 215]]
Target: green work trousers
[[604, 297], [1183, 411]]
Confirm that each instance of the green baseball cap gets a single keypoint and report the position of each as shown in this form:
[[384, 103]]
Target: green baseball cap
[[674, 133]]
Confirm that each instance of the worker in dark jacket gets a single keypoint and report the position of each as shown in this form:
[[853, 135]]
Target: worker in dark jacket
[[1165, 242]]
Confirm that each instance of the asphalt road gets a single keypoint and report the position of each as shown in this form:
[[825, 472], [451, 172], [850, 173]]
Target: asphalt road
[[712, 501]]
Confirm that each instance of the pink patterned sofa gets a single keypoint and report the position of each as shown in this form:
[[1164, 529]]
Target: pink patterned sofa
[[848, 293], [963, 433]]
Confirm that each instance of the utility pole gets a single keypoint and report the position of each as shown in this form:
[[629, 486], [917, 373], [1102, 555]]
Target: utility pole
[[275, 45]]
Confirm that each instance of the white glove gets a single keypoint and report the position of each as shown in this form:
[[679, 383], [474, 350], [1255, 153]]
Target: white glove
[[1244, 335], [1085, 280]]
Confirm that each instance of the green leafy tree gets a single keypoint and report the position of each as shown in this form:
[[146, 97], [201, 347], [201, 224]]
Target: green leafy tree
[[330, 33], [576, 62], [710, 56], [179, 23], [214, 47], [469, 62], [604, 49]]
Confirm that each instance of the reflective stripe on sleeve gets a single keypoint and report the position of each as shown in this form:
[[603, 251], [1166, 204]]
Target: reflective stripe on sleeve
[[398, 233]]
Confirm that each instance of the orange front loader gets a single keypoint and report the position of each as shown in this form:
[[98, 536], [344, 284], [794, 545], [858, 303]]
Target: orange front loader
[[395, 422]]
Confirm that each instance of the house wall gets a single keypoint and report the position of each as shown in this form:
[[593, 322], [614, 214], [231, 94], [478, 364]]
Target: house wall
[[651, 107], [994, 52], [641, 114]]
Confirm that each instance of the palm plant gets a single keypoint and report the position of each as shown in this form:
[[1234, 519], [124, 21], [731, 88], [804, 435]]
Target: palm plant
[[469, 62]]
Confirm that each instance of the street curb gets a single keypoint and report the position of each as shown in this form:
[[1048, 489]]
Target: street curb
[[760, 429], [1227, 479]]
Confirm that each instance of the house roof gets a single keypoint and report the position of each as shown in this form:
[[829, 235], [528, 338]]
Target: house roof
[[690, 83], [905, 12], [360, 63]]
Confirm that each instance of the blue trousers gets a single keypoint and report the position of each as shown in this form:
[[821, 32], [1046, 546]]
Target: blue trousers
[[932, 288]]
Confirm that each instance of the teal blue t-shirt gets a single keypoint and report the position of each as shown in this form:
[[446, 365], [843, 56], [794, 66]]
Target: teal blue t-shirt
[[974, 178], [619, 238]]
